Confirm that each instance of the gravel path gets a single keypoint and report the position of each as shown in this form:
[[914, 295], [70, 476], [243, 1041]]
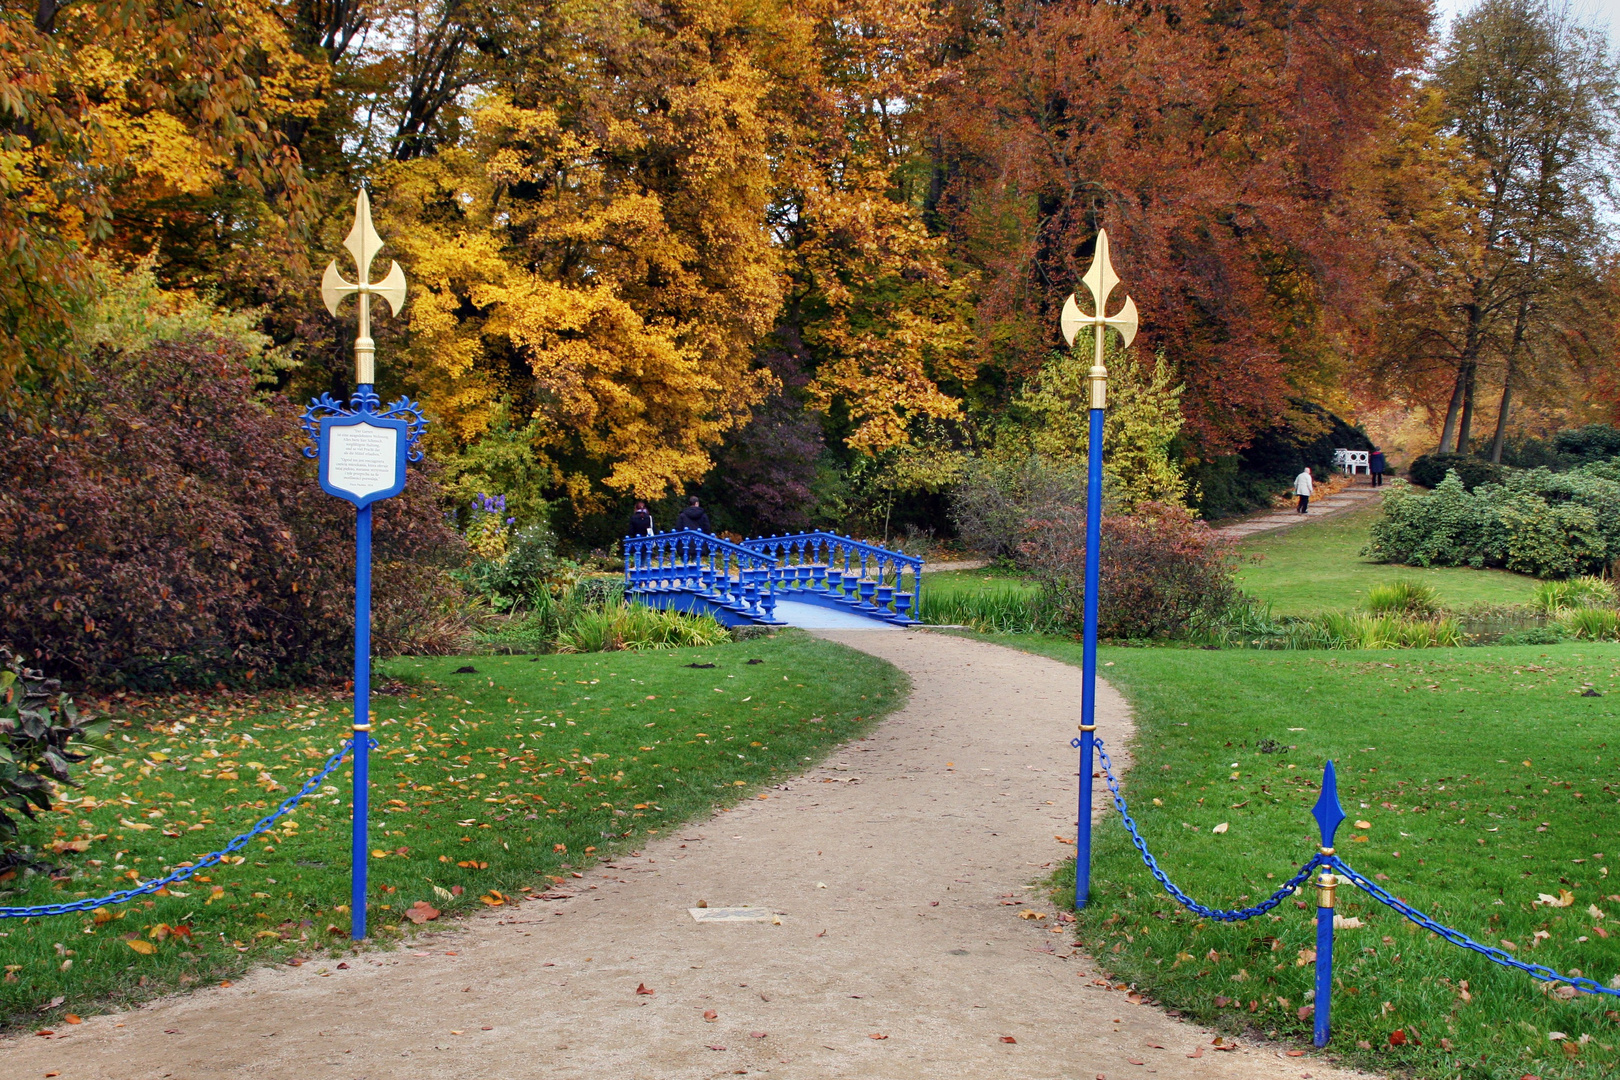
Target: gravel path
[[898, 871], [1357, 494]]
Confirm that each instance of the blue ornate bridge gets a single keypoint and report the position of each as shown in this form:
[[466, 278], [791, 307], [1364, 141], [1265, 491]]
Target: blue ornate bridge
[[741, 584]]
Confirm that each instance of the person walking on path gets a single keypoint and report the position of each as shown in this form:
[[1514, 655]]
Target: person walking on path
[[693, 516], [1303, 487], [641, 522], [1375, 464]]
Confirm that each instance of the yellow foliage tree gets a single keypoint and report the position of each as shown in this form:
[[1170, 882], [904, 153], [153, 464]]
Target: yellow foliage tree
[[106, 112], [599, 257], [1050, 418], [872, 295]]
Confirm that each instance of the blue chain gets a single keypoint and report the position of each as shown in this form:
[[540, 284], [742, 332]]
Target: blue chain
[[184, 872], [1234, 915], [1462, 940]]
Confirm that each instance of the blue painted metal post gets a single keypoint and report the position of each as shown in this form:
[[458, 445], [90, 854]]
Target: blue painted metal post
[[1088, 677], [362, 488], [362, 719], [1329, 815], [1100, 281], [1324, 956]]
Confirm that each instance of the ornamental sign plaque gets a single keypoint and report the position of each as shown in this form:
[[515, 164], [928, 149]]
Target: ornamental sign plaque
[[362, 457]]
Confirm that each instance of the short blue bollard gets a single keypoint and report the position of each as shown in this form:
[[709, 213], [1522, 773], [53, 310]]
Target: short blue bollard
[[1329, 816]]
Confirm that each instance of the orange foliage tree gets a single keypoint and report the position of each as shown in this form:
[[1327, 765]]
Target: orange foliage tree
[[1217, 142]]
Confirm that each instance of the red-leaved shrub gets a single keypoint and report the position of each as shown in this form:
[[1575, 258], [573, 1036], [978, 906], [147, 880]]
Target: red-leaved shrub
[[164, 530], [1161, 570]]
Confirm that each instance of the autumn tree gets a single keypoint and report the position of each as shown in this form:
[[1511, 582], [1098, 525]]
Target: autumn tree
[[595, 249], [1533, 99], [109, 113], [1217, 142]]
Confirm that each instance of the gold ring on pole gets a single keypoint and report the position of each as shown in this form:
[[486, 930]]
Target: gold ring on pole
[[362, 727]]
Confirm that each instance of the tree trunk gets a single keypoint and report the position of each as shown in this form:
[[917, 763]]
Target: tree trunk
[[1449, 431], [1521, 322], [1502, 415], [1465, 427]]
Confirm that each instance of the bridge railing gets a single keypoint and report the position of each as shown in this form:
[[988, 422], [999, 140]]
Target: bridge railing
[[874, 579], [717, 569]]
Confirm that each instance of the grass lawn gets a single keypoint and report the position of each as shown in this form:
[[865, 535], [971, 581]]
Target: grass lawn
[[1318, 567], [1485, 777], [483, 781]]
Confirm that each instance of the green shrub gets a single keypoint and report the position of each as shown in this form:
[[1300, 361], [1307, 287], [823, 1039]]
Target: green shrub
[[1430, 469], [1553, 597], [1590, 443], [990, 607], [1163, 573], [1403, 597], [593, 617], [994, 502], [1443, 528], [1537, 522], [41, 737], [620, 626], [1535, 635], [528, 565], [1591, 624], [1353, 630]]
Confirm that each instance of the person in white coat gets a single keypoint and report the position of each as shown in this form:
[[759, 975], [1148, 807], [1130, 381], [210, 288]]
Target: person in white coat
[[1303, 487]]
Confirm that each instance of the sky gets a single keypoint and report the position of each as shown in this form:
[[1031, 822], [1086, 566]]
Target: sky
[[1605, 13]]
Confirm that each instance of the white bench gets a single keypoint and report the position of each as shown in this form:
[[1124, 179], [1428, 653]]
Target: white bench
[[1351, 462]]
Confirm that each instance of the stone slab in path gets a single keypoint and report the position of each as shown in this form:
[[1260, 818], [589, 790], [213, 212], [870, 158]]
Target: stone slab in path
[[912, 963]]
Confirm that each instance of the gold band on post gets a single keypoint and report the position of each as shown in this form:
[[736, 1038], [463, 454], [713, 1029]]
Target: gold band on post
[[1088, 727], [362, 727], [1326, 885], [1099, 386]]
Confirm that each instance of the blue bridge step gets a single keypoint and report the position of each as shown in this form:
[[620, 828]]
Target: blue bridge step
[[741, 583]]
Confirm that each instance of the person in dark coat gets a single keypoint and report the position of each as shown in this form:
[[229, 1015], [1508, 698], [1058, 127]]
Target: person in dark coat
[[641, 522], [693, 516], [1375, 464]]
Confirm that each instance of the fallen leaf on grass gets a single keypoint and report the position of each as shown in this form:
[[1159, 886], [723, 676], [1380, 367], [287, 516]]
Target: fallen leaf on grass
[[72, 1019], [1564, 899], [1296, 1053], [493, 899], [1222, 827], [145, 948], [421, 912], [1397, 1037]]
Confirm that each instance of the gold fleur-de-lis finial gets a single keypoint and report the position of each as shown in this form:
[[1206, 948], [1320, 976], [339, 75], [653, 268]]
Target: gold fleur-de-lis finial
[[364, 243], [1100, 281]]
